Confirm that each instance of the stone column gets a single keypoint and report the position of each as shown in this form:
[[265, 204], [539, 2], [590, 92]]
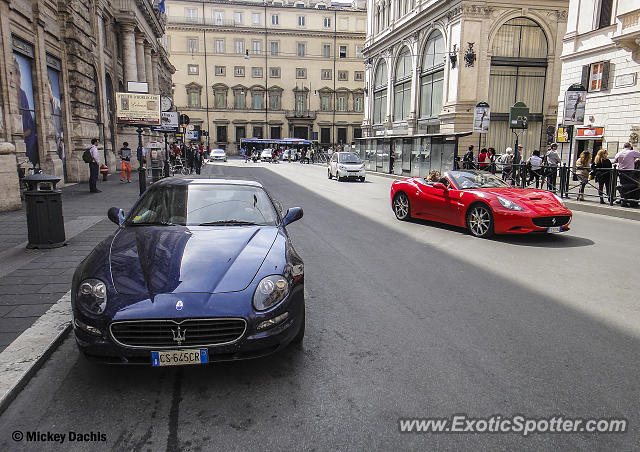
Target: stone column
[[9, 185], [155, 61], [127, 33], [148, 67], [142, 75]]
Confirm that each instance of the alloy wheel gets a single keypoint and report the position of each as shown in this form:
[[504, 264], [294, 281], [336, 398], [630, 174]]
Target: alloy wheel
[[480, 221], [401, 206]]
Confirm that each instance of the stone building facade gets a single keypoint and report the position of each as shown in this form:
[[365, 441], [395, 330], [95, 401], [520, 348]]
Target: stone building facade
[[274, 69], [60, 66], [430, 62], [601, 51]]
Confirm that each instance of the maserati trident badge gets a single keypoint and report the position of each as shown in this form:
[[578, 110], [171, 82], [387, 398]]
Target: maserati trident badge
[[179, 305], [180, 335]]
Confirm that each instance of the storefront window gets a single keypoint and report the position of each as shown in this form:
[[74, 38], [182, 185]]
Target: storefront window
[[402, 87], [55, 101], [22, 61], [518, 74], [432, 76], [380, 94]]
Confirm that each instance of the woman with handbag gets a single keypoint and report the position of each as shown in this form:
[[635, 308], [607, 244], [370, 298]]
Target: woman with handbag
[[601, 168]]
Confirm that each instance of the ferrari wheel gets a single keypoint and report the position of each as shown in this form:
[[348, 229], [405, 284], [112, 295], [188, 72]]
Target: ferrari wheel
[[401, 206], [480, 221], [329, 174]]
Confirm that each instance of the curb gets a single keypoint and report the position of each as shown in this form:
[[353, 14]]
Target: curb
[[20, 361]]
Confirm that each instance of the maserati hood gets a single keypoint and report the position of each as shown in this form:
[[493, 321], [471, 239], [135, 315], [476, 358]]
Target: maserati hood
[[176, 259]]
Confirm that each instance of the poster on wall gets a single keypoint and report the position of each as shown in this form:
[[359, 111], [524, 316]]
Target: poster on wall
[[23, 84], [138, 109], [55, 101], [168, 122], [575, 101], [481, 118]]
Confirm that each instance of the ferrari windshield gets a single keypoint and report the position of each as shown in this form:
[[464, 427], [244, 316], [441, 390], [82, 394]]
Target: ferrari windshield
[[465, 180], [204, 205], [348, 157]]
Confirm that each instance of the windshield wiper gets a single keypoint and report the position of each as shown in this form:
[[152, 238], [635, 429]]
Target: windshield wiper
[[153, 223], [229, 223]]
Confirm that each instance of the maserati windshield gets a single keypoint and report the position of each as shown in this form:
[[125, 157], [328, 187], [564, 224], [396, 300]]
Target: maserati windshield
[[476, 179], [204, 205]]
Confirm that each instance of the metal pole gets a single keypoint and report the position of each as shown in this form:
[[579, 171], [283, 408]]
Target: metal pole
[[142, 172], [206, 76], [166, 156], [266, 76]]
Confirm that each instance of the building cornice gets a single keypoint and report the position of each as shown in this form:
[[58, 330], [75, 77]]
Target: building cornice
[[261, 31]]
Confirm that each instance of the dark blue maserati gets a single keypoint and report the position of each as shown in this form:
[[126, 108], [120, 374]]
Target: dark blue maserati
[[199, 270]]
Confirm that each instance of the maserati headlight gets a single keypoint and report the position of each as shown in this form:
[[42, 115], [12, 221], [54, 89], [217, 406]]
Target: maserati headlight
[[270, 291], [560, 200], [92, 295], [508, 204]]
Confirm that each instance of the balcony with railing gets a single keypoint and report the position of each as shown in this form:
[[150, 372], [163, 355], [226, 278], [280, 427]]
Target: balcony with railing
[[208, 21], [301, 114]]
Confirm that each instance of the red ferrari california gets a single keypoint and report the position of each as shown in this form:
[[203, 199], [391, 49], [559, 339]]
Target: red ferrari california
[[481, 202]]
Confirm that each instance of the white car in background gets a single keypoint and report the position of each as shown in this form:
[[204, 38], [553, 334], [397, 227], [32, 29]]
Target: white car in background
[[346, 165], [266, 155], [217, 154]]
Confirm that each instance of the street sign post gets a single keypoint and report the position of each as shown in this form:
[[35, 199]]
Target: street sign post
[[575, 101]]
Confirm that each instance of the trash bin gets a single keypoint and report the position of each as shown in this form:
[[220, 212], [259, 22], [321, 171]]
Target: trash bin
[[45, 222]]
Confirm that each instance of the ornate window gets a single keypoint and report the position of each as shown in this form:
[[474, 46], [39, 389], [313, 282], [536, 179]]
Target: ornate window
[[380, 94], [518, 74], [194, 92], [402, 86], [432, 76]]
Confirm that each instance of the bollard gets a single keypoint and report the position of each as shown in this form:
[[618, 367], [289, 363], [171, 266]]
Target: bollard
[[142, 179]]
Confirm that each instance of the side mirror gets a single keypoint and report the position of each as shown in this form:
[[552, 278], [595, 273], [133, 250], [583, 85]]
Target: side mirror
[[116, 215], [440, 186], [293, 214]]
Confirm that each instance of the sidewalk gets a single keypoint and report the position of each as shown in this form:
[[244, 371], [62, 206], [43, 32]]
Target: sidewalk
[[31, 281]]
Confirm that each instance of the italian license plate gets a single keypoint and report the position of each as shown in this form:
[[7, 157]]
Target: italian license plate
[[554, 230], [180, 357]]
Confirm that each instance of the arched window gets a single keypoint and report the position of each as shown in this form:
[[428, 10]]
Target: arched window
[[518, 74], [402, 86], [432, 76], [380, 94]]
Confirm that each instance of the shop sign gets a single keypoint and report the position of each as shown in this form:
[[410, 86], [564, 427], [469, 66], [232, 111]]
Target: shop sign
[[590, 133], [138, 109]]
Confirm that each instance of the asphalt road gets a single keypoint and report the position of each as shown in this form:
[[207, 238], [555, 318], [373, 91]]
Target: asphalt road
[[403, 319]]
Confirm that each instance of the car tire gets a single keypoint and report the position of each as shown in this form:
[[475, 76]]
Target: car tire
[[299, 338], [329, 174], [362, 179], [338, 178], [480, 221], [402, 206]]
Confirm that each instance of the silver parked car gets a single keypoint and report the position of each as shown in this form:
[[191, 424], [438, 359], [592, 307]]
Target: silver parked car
[[346, 165]]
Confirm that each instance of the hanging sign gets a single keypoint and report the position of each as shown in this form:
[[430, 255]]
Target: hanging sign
[[138, 109], [481, 118]]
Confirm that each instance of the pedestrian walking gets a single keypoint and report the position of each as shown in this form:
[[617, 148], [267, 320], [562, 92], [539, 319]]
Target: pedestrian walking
[[551, 162], [482, 159], [189, 155], [94, 166], [583, 166], [626, 160], [506, 162], [125, 162], [534, 165], [467, 159], [198, 158], [601, 169]]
